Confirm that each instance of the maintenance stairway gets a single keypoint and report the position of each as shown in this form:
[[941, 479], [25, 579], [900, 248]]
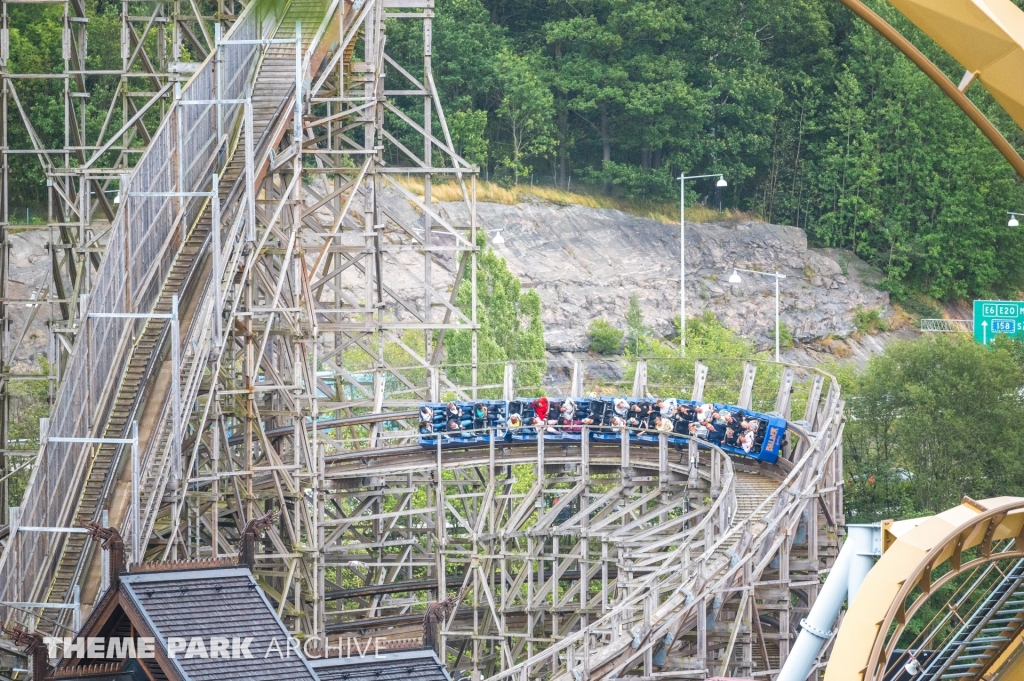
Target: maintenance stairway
[[996, 622], [145, 378], [751, 491]]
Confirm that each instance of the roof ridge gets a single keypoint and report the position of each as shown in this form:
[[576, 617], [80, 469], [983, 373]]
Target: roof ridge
[[175, 565], [86, 669]]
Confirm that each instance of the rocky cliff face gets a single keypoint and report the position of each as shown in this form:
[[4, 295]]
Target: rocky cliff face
[[586, 263], [28, 279]]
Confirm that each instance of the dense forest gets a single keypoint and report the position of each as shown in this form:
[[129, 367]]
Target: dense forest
[[930, 421], [814, 119]]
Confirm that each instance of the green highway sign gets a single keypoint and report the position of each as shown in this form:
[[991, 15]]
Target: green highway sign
[[994, 317]]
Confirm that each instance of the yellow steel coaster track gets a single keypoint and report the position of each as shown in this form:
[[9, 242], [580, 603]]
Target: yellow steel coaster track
[[922, 555], [985, 36]]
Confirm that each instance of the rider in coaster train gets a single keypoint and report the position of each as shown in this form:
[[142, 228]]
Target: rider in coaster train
[[426, 420], [479, 416], [737, 430], [540, 410]]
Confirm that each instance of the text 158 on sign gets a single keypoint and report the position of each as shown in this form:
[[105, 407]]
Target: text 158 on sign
[[995, 317]]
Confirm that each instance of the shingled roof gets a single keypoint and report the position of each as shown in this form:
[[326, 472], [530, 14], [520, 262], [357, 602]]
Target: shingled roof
[[409, 665], [202, 602], [223, 602]]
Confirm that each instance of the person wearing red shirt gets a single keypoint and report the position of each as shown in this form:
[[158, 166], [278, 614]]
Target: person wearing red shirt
[[540, 408], [540, 411]]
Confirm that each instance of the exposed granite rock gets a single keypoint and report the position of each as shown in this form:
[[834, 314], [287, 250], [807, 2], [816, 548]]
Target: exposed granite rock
[[28, 279], [586, 263]]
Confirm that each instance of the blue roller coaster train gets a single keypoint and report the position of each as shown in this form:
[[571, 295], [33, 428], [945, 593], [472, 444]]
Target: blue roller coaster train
[[738, 431]]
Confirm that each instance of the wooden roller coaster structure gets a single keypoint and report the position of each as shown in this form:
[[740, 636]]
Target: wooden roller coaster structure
[[248, 330], [270, 302]]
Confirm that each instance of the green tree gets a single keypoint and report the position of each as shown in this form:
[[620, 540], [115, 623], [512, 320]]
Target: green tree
[[637, 333], [510, 326], [849, 169], [526, 110], [933, 420], [468, 43], [588, 77], [469, 135], [36, 35]]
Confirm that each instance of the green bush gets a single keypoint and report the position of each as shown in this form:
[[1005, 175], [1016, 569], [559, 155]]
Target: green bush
[[605, 339], [869, 321], [785, 336]]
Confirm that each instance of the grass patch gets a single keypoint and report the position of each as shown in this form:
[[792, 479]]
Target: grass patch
[[921, 306], [489, 192]]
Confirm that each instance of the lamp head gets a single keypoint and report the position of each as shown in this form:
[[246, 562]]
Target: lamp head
[[721, 182], [734, 278], [117, 197], [1014, 222], [498, 238]]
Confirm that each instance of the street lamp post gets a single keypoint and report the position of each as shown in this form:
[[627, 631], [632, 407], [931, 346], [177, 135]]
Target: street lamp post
[[735, 278], [682, 250]]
